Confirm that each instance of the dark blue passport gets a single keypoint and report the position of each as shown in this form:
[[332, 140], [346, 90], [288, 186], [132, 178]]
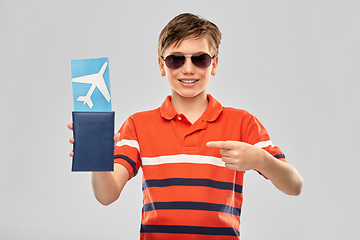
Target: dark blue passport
[[94, 141]]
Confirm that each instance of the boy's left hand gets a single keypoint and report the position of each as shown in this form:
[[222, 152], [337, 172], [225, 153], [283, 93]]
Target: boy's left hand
[[239, 156]]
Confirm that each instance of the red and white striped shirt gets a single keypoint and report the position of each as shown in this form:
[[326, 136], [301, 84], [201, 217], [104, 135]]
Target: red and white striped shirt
[[188, 193]]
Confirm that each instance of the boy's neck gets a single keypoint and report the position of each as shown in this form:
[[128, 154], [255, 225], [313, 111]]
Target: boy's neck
[[192, 107]]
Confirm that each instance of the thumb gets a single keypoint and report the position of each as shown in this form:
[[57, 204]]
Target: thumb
[[116, 138]]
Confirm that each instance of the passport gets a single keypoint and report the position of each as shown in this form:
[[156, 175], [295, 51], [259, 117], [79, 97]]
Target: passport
[[94, 141]]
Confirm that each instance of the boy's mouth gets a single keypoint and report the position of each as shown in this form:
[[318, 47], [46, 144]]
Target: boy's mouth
[[188, 81]]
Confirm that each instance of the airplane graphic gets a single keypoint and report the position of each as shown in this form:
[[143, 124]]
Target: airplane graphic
[[97, 81]]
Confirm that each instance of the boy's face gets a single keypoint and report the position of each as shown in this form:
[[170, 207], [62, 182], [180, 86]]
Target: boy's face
[[189, 80]]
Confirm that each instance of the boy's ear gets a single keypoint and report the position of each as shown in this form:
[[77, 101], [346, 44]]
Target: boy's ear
[[214, 65], [161, 66]]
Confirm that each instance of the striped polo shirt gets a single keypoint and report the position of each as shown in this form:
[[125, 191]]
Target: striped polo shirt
[[188, 193]]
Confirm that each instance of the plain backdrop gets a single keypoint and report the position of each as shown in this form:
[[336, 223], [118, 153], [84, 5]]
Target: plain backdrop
[[293, 64]]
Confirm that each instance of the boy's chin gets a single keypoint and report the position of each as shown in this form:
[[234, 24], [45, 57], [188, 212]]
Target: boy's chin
[[189, 94]]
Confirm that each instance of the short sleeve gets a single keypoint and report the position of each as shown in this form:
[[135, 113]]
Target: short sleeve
[[257, 135], [127, 150]]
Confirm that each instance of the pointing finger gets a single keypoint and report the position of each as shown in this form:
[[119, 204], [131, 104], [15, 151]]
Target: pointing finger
[[224, 144], [216, 144]]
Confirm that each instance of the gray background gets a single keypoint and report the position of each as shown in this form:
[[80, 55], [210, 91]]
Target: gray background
[[293, 64]]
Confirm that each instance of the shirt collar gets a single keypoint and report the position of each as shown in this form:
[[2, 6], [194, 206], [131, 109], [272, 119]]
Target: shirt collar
[[167, 110], [211, 113]]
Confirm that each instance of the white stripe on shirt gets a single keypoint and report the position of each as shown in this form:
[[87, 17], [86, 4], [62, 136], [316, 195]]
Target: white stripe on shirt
[[130, 143], [263, 144], [183, 158]]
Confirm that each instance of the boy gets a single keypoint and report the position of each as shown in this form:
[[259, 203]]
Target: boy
[[193, 151]]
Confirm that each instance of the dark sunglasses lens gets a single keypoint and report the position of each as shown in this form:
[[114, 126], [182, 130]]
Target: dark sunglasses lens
[[202, 60], [174, 61]]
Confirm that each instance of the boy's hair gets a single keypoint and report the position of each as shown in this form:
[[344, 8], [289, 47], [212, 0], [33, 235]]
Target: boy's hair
[[188, 25]]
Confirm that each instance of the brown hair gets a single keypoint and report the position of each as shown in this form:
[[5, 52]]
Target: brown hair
[[188, 25]]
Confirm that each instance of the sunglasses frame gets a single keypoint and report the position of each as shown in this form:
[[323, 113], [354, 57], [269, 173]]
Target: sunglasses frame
[[191, 57]]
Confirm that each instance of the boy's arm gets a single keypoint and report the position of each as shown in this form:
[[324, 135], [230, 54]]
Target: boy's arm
[[107, 186], [283, 175], [242, 157]]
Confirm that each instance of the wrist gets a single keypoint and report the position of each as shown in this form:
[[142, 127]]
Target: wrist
[[264, 160]]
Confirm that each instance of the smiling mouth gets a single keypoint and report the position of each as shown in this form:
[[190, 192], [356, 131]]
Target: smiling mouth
[[188, 81]]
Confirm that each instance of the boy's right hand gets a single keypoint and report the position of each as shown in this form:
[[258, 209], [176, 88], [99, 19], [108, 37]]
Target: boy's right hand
[[71, 140]]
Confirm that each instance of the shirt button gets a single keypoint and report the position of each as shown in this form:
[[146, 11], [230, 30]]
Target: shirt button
[[179, 118]]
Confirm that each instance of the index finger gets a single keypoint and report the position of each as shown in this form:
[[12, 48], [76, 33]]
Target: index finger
[[223, 144], [217, 144], [70, 126]]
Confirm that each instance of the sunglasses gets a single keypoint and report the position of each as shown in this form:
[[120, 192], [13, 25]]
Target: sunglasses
[[200, 60]]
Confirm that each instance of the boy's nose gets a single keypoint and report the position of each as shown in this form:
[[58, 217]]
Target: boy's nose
[[188, 67]]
